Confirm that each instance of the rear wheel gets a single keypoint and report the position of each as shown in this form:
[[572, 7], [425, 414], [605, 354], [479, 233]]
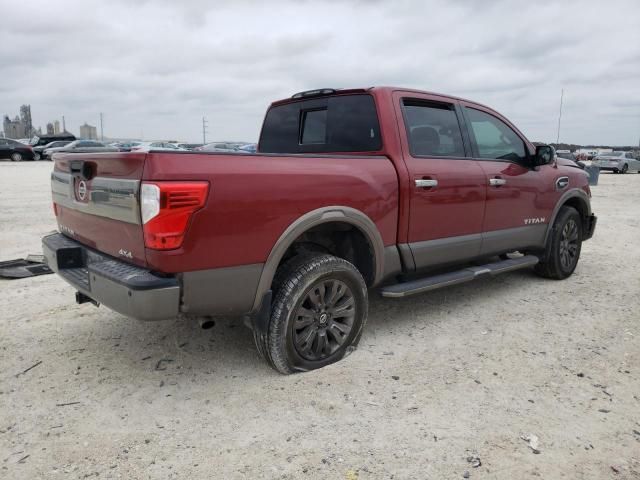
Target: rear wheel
[[317, 315], [16, 157], [564, 245], [625, 168]]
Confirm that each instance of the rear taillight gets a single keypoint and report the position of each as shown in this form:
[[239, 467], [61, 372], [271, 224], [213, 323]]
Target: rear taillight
[[166, 208]]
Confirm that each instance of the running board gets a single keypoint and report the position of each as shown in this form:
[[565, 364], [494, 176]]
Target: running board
[[460, 276]]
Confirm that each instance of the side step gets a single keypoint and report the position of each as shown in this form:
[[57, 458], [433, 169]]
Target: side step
[[460, 276]]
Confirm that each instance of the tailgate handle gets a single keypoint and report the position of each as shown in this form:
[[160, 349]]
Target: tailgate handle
[[85, 169]]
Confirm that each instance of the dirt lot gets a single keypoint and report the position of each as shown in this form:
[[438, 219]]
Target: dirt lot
[[437, 378]]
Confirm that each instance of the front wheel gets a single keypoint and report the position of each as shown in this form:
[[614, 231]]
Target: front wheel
[[317, 316], [625, 168], [36, 156], [16, 157], [563, 246]]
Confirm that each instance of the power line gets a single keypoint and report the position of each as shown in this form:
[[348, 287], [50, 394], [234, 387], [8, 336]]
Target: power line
[[560, 116], [205, 124]]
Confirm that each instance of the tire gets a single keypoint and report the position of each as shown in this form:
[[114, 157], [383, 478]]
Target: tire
[[16, 157], [564, 245], [36, 156], [317, 315], [625, 168]]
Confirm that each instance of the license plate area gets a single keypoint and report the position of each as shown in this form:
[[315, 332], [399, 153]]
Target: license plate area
[[70, 257]]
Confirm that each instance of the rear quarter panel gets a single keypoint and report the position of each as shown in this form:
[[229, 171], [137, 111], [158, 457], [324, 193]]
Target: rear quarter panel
[[254, 198]]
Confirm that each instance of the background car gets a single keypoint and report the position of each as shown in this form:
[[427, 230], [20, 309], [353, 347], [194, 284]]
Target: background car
[[618, 162], [41, 140], [79, 146], [124, 146], [37, 151], [219, 147], [249, 148], [188, 146], [566, 154], [14, 150], [147, 146]]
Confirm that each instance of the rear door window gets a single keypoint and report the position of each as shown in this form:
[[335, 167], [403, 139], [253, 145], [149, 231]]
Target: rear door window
[[341, 123], [494, 139], [432, 129]]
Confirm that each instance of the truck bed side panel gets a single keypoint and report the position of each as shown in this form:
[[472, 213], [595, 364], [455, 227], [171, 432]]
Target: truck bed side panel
[[254, 198]]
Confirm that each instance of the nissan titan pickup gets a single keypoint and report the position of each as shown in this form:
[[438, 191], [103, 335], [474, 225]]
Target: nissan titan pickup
[[352, 191]]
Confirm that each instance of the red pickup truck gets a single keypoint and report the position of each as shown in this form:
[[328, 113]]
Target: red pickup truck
[[385, 188]]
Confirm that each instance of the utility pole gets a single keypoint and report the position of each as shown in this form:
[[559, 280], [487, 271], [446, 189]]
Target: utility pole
[[101, 129], [204, 130], [64, 125], [560, 116]]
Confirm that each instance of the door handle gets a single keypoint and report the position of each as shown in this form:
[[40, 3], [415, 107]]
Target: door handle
[[496, 182], [426, 182], [562, 182]]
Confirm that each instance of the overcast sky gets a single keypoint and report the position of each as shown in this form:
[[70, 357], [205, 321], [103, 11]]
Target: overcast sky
[[154, 68]]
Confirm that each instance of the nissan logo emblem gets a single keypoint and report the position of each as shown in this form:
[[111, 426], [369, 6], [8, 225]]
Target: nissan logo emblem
[[82, 189]]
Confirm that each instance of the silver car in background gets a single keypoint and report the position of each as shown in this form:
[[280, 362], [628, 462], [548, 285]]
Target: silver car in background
[[157, 146], [79, 146], [618, 162]]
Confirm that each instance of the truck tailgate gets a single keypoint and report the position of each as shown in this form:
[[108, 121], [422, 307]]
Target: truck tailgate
[[96, 200]]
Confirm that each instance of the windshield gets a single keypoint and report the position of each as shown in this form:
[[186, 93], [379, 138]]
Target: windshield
[[613, 154]]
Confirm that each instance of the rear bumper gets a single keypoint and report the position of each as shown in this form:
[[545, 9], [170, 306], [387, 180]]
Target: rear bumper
[[125, 288], [589, 227]]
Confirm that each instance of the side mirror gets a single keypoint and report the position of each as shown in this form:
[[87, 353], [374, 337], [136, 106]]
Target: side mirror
[[544, 155]]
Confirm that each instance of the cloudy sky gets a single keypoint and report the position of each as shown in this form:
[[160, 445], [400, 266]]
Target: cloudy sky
[[154, 68]]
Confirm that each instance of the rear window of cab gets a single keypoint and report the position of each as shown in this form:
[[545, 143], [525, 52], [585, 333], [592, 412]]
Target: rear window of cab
[[341, 123]]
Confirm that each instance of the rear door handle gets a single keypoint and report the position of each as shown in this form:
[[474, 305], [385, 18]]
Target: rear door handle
[[426, 182], [496, 182]]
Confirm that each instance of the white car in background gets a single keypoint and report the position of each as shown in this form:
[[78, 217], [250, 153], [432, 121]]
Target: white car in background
[[159, 146], [618, 162]]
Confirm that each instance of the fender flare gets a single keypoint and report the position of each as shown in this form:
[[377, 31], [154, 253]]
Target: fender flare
[[573, 193], [309, 220]]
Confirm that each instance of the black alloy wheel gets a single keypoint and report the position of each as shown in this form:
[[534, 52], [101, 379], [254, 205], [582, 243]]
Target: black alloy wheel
[[318, 312], [569, 244], [561, 255], [324, 319]]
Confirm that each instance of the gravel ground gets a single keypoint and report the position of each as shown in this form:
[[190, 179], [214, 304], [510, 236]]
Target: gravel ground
[[438, 378]]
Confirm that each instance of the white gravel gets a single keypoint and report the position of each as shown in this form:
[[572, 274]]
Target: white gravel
[[478, 366]]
